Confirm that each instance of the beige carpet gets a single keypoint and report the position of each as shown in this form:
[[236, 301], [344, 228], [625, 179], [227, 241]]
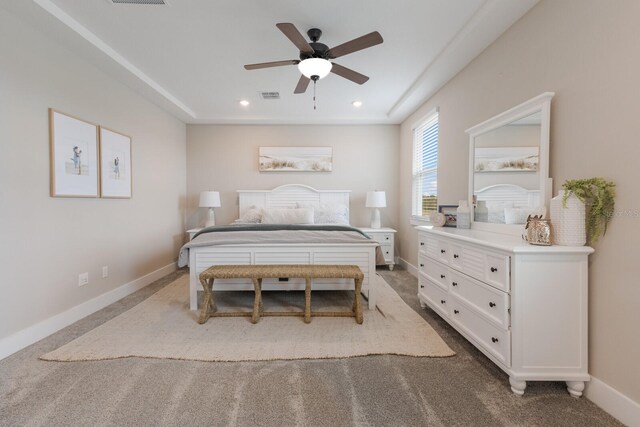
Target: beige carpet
[[163, 327]]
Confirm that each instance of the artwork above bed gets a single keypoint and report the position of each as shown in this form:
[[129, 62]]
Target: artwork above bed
[[296, 159]]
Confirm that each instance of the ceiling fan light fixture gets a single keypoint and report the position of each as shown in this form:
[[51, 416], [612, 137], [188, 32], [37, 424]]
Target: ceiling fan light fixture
[[315, 67]]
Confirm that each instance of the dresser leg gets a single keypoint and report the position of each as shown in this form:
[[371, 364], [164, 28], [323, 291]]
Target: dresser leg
[[517, 386], [422, 303], [575, 388], [391, 267]]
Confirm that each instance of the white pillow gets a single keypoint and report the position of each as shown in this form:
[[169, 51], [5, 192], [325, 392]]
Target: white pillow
[[329, 213], [516, 215], [253, 215], [288, 216]]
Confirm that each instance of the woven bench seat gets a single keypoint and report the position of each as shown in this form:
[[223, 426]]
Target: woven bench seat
[[259, 272]]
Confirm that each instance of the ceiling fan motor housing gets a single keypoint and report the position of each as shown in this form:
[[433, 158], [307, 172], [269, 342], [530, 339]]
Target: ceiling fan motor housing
[[319, 49]]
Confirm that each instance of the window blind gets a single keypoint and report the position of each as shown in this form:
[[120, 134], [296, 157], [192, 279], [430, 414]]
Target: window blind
[[425, 166]]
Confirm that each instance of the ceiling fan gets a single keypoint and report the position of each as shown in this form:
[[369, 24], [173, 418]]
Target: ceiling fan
[[315, 58]]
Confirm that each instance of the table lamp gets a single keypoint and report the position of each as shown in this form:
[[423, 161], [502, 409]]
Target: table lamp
[[210, 199], [376, 199]]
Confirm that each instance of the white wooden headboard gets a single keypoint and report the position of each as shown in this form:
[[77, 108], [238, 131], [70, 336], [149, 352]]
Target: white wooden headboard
[[286, 196], [509, 193]]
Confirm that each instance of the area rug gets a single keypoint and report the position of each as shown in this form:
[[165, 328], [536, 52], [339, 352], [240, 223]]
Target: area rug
[[163, 327]]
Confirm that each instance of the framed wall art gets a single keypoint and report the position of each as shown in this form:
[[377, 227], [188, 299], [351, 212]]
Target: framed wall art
[[115, 164], [296, 159], [73, 145], [506, 159]]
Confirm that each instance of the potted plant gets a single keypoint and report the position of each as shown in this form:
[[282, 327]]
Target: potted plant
[[598, 195]]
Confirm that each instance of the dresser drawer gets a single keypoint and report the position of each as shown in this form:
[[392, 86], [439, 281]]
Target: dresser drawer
[[387, 252], [382, 238], [436, 296], [493, 339], [437, 249], [487, 266], [489, 302], [435, 271]]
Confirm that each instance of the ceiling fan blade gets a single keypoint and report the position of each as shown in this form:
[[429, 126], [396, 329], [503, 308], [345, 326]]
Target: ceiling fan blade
[[296, 38], [355, 45], [348, 74], [270, 64], [303, 83]]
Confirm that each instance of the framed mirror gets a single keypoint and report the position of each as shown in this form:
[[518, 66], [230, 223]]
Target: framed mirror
[[509, 167]]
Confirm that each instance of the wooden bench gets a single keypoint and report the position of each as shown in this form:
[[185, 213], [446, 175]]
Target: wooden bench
[[258, 272]]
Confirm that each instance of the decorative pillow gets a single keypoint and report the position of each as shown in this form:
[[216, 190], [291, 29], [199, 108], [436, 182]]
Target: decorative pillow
[[328, 214], [288, 216], [253, 215], [516, 215]]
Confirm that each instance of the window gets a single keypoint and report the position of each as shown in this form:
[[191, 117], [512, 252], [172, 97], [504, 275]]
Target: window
[[425, 166]]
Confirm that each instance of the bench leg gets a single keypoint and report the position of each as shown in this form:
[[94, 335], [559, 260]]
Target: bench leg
[[357, 306], [307, 301], [208, 305], [257, 304]]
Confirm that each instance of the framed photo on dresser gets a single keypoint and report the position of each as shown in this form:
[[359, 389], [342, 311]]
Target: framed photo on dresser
[[450, 213]]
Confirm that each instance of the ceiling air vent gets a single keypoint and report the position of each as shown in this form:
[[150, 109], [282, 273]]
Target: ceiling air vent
[[270, 95], [161, 2]]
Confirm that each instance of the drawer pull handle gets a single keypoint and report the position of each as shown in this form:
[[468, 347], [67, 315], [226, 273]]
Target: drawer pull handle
[[442, 251], [442, 301], [456, 256], [493, 269], [455, 283], [421, 265], [456, 311], [492, 304], [421, 243], [494, 339], [386, 238], [442, 276], [387, 253], [421, 286]]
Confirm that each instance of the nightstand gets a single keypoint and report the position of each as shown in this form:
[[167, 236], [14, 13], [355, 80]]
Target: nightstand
[[385, 236], [193, 232]]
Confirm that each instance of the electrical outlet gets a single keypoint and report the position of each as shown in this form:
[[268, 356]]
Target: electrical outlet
[[105, 272], [83, 279]]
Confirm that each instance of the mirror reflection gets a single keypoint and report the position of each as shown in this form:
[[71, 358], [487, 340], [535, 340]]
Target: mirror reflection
[[506, 176]]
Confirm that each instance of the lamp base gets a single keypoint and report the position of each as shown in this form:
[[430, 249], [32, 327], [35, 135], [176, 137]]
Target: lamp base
[[211, 220], [375, 218]]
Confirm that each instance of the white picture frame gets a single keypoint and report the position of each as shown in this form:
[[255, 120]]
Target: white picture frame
[[73, 147], [115, 165], [296, 159]]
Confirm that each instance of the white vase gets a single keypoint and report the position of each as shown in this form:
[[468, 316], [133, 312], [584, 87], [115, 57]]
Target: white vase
[[463, 215], [569, 223]]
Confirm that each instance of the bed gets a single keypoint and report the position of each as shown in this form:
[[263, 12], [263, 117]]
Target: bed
[[264, 250], [508, 203]]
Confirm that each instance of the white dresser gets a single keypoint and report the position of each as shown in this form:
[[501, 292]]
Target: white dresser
[[523, 306], [386, 237]]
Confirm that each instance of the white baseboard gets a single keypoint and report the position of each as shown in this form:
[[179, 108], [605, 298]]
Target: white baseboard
[[412, 269], [611, 400], [43, 329]]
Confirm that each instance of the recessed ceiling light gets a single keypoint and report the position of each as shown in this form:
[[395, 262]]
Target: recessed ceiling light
[[357, 104], [244, 102]]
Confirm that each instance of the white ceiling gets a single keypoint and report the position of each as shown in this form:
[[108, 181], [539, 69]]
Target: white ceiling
[[188, 56]]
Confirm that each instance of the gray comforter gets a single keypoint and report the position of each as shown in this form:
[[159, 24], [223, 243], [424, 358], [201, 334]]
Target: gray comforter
[[275, 233]]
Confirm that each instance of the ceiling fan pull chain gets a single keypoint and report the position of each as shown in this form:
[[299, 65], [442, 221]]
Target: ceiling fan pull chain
[[314, 94]]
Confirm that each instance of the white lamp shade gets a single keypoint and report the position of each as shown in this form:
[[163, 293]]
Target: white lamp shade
[[376, 199], [209, 199], [315, 67]]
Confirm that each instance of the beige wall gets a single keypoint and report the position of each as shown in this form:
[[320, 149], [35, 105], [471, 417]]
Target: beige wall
[[46, 242], [225, 158], [587, 52]]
